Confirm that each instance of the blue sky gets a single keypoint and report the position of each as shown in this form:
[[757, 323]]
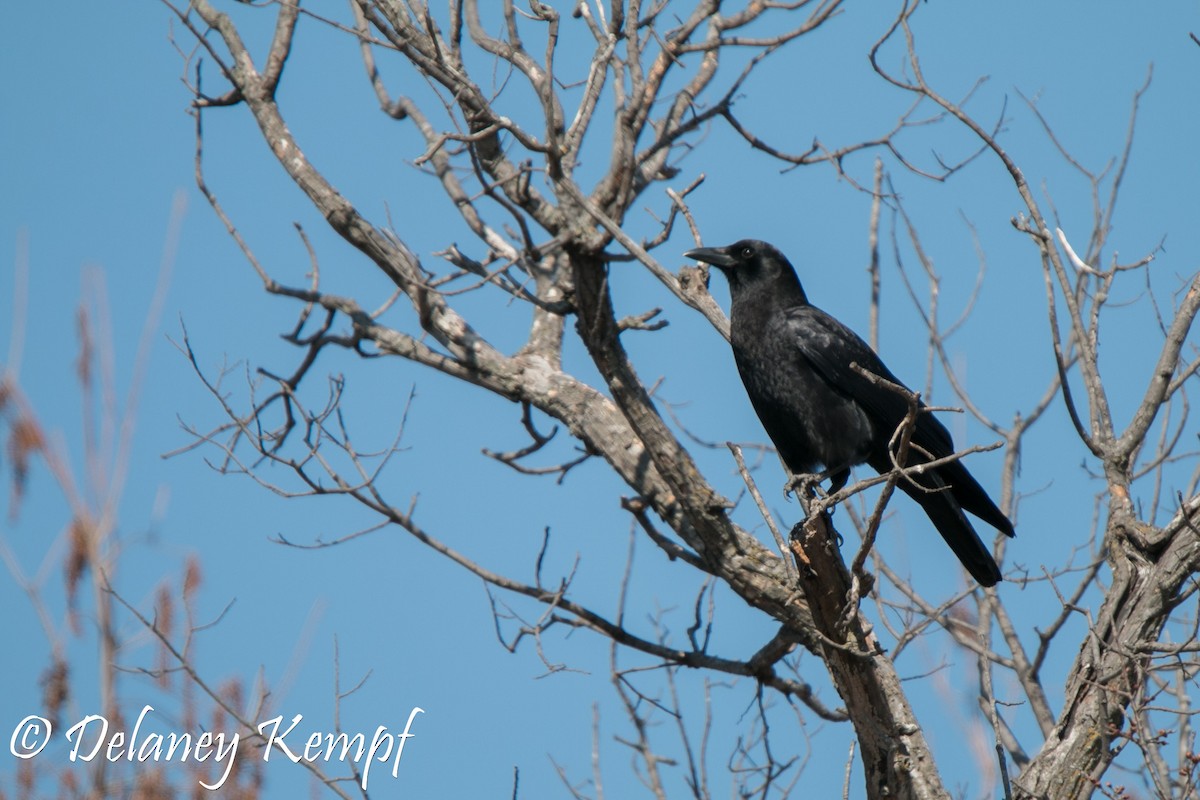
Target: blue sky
[[96, 149]]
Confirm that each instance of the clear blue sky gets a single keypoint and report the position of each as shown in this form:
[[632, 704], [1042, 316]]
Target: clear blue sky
[[95, 147]]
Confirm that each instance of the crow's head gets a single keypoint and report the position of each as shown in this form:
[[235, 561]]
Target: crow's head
[[748, 262]]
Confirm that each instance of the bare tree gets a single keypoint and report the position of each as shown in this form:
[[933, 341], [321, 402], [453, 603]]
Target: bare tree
[[519, 158]]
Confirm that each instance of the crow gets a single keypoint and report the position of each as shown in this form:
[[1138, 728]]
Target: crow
[[795, 362]]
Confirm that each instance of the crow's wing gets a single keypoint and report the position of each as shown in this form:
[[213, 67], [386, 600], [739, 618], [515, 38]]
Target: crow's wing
[[830, 347]]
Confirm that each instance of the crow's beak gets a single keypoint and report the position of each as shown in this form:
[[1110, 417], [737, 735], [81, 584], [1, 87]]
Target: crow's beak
[[717, 256]]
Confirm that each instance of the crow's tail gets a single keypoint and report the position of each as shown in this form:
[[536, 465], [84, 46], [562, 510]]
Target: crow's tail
[[971, 496], [938, 497], [946, 515]]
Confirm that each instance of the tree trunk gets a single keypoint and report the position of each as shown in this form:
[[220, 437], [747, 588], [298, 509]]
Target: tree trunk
[[1149, 567], [895, 755]]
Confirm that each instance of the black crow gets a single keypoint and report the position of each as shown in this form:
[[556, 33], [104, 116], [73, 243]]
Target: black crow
[[795, 360]]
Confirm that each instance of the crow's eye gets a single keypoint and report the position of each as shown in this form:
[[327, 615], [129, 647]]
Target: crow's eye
[[747, 251]]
